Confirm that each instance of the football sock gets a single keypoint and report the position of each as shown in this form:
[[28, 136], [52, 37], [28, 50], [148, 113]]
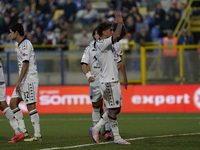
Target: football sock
[[19, 117], [95, 115], [35, 122], [101, 122], [11, 118], [114, 126]]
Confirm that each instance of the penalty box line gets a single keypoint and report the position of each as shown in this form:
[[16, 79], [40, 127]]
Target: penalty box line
[[131, 139]]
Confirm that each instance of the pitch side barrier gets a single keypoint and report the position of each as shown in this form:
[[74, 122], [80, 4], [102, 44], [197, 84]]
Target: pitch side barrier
[[136, 99]]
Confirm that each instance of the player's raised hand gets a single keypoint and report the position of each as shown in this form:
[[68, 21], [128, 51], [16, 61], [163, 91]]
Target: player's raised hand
[[118, 17]]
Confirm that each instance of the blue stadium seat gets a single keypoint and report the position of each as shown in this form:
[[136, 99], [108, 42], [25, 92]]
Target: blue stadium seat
[[78, 4], [150, 20], [154, 32]]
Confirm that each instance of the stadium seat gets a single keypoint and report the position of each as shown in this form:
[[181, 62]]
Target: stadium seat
[[142, 10], [150, 20], [78, 4], [155, 32], [57, 14]]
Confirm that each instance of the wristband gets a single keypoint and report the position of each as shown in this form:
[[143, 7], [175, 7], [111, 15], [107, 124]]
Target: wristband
[[88, 75]]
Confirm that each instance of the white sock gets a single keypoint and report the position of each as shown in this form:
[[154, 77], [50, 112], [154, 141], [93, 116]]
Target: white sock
[[11, 118], [101, 122], [19, 117], [35, 122], [96, 115], [107, 125], [114, 126]]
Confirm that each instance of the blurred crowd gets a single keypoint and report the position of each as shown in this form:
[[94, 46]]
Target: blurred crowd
[[37, 17]]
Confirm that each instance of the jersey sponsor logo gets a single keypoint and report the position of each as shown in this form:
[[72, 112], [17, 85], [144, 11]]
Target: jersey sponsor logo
[[197, 98], [24, 54], [161, 99], [64, 100]]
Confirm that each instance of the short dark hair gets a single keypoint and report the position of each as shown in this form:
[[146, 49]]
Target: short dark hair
[[103, 26], [17, 27]]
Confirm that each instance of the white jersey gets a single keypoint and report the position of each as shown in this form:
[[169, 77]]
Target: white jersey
[[26, 53], [1, 72], [108, 58], [89, 57]]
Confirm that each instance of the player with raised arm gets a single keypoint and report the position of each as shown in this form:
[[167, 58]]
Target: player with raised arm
[[91, 69], [109, 81], [7, 111], [27, 86]]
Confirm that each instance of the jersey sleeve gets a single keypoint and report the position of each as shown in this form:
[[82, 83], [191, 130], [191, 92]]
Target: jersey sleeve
[[86, 56], [118, 48], [26, 48], [104, 44]]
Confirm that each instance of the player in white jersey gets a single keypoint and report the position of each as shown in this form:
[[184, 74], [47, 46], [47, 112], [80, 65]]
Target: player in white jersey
[[27, 86], [7, 111], [109, 83]]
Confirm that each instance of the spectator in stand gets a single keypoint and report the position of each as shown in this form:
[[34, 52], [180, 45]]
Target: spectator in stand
[[64, 39], [150, 4], [166, 4], [130, 24], [170, 55], [165, 25], [31, 38], [26, 15], [173, 10], [182, 8], [51, 37], [88, 15], [14, 15], [159, 14], [129, 4], [43, 5], [177, 17], [8, 42], [2, 7], [70, 11], [144, 36], [38, 34], [32, 25], [125, 12], [33, 5], [187, 53], [7, 23], [140, 23], [8, 9], [45, 41], [83, 40], [134, 11], [110, 14], [1, 20], [21, 6]]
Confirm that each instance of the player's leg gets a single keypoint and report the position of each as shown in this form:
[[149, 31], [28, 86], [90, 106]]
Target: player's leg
[[114, 109], [108, 134], [30, 91], [9, 115], [35, 120], [14, 102]]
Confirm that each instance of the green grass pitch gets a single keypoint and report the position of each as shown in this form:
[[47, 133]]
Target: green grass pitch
[[145, 131]]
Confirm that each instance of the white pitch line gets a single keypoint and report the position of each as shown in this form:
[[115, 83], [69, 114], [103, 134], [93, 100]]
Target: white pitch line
[[131, 139], [126, 118]]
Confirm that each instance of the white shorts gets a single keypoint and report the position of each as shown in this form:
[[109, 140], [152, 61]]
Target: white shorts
[[95, 94], [112, 96], [29, 92], [2, 92]]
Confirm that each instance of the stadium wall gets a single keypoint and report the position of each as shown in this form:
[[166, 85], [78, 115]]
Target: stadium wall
[[137, 99]]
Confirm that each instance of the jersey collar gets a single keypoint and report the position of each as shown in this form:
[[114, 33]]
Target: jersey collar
[[22, 41]]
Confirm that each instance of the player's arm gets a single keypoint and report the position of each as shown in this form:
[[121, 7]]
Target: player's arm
[[123, 70], [86, 71], [120, 31], [22, 74]]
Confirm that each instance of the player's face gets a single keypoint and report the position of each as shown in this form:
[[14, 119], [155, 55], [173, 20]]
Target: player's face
[[109, 32], [96, 36], [12, 35]]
